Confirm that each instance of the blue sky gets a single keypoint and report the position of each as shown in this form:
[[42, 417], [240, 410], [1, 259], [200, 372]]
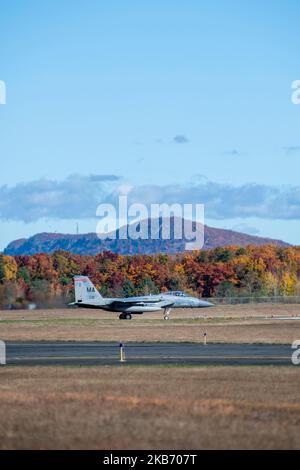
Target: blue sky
[[172, 94]]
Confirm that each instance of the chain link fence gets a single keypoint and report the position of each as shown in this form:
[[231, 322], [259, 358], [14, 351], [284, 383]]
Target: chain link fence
[[255, 300]]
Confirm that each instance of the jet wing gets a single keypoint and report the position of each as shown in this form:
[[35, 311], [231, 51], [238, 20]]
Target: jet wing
[[139, 301]]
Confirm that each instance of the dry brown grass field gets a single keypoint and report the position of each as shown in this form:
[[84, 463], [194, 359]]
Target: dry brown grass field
[[150, 408], [229, 323]]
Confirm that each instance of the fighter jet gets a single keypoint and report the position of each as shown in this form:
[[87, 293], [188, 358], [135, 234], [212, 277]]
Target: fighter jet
[[87, 296]]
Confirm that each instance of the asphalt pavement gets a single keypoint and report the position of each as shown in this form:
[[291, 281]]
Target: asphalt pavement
[[108, 353]]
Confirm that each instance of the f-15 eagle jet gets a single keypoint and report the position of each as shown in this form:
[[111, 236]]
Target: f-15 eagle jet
[[87, 296]]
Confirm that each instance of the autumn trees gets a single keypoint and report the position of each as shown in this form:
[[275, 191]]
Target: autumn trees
[[222, 272]]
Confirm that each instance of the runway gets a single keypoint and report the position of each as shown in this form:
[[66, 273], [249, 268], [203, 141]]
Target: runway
[[108, 353]]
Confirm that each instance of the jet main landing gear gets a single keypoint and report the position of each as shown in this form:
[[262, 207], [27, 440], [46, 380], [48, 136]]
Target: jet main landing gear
[[167, 314], [125, 316]]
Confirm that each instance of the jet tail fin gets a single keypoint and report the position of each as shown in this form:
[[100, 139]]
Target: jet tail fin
[[86, 292]]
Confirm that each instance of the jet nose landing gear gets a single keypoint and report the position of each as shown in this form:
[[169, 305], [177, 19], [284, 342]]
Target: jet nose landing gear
[[125, 316]]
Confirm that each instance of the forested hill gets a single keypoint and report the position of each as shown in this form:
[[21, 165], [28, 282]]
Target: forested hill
[[90, 244]]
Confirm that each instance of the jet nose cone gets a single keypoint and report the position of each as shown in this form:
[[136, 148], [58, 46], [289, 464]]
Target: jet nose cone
[[205, 303]]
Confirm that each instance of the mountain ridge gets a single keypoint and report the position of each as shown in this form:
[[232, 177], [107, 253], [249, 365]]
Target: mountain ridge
[[90, 244]]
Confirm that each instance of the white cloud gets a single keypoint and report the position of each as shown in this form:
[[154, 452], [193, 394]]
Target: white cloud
[[77, 197]]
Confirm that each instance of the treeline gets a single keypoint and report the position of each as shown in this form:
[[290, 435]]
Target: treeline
[[228, 271]]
